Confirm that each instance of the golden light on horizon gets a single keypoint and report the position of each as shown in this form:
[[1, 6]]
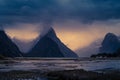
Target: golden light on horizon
[[24, 32], [73, 38], [22, 35]]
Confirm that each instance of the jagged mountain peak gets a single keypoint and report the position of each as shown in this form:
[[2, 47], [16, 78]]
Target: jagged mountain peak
[[50, 45], [51, 32]]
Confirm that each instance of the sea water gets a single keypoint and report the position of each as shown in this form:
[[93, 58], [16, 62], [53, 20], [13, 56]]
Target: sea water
[[44, 65]]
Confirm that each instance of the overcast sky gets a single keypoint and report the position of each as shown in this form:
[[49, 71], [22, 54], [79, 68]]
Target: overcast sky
[[35, 11], [73, 20]]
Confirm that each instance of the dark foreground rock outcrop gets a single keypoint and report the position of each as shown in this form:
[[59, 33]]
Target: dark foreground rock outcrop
[[82, 75], [59, 75]]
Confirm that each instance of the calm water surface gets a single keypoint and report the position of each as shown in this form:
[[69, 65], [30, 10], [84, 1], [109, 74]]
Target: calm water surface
[[58, 64], [45, 65]]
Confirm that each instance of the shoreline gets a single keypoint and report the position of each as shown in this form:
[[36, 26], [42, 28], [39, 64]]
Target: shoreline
[[79, 59]]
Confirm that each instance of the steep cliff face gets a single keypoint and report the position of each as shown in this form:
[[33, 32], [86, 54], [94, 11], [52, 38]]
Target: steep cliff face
[[50, 46], [110, 43], [7, 47]]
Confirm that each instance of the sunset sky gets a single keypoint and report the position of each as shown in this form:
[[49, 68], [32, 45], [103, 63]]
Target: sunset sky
[[76, 22]]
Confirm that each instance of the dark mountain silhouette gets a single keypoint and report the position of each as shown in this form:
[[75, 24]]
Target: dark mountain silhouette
[[50, 46], [110, 44], [7, 47]]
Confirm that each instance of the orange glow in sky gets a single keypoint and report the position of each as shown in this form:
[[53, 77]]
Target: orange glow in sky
[[24, 32], [74, 39]]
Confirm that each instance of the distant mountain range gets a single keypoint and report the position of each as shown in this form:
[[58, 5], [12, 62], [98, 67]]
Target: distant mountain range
[[49, 45]]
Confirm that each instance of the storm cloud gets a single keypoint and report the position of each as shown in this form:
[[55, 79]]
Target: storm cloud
[[36, 11]]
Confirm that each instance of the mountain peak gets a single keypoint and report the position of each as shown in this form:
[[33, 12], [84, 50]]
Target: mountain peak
[[50, 45], [110, 35], [51, 31]]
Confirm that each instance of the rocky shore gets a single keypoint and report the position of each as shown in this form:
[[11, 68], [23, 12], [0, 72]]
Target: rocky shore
[[20, 75], [59, 75], [83, 75]]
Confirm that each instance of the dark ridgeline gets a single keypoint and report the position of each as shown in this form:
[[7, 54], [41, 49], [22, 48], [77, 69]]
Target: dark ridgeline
[[7, 47], [50, 46], [110, 44]]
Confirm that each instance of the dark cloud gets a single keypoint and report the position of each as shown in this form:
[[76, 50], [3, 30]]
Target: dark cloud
[[34, 11]]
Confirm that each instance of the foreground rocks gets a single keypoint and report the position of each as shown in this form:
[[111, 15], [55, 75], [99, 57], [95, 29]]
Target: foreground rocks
[[20, 75], [59, 75], [82, 75]]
